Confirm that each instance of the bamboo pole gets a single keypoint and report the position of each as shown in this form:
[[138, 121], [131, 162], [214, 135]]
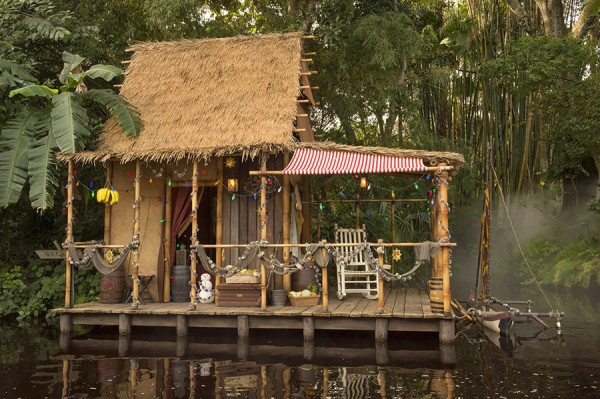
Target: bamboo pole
[[443, 222], [168, 231], [219, 233], [136, 234], [393, 222], [194, 239], [263, 229], [333, 244], [107, 215], [324, 282], [380, 288], [69, 267], [287, 279]]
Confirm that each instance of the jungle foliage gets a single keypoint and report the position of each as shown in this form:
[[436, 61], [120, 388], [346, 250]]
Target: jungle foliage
[[431, 74]]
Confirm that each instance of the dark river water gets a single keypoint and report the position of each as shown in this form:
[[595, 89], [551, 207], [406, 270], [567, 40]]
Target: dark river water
[[533, 363]]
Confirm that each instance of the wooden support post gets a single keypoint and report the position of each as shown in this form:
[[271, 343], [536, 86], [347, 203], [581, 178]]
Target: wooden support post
[[287, 382], [308, 329], [66, 377], [381, 330], [133, 376], [124, 324], [182, 325], [324, 283], [382, 384], [136, 234], [219, 232], [382, 354], [107, 215], [325, 383], [243, 326], [69, 267], [445, 235], [168, 230], [393, 221], [287, 279], [380, 287], [66, 323], [448, 354], [194, 239], [264, 382], [263, 229], [446, 333], [124, 345], [181, 345]]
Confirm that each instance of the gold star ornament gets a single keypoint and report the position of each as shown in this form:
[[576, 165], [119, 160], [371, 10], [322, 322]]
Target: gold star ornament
[[396, 254], [229, 162]]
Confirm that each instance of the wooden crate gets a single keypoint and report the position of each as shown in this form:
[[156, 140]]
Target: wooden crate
[[239, 295]]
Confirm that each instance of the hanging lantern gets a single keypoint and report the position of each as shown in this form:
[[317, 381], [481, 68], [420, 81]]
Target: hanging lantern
[[363, 182], [232, 185]]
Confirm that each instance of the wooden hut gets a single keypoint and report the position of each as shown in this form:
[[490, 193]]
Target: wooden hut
[[222, 118]]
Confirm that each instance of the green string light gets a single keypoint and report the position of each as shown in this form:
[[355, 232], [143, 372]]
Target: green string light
[[233, 197], [93, 194], [170, 182]]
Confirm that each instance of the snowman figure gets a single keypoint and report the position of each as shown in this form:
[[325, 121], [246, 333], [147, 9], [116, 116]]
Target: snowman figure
[[206, 293]]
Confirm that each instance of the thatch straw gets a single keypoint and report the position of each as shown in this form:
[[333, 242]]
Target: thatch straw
[[204, 95]]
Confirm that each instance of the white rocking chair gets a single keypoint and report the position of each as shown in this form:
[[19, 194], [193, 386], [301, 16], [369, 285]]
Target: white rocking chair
[[354, 276]]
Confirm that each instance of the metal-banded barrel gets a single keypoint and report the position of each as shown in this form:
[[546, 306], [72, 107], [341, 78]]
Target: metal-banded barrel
[[436, 294], [112, 286]]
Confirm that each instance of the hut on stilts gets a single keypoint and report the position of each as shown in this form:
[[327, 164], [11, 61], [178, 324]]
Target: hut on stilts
[[223, 166]]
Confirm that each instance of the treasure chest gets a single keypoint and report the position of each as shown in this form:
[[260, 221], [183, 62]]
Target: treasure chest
[[239, 295]]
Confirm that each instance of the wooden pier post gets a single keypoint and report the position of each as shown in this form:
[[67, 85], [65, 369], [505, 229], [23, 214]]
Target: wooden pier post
[[66, 331], [243, 326], [167, 242], [380, 288], [136, 234], [446, 333], [287, 278], [124, 324], [124, 345], [182, 325], [381, 330], [263, 229], [444, 226], [194, 239], [324, 282], [66, 377], [69, 267], [308, 329], [181, 345]]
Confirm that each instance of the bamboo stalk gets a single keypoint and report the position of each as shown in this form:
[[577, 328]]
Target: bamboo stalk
[[302, 116], [168, 231], [306, 60], [312, 53], [69, 267], [136, 234], [299, 130], [308, 36], [107, 208], [287, 279], [308, 73], [263, 229], [380, 288], [443, 193], [393, 222], [309, 87], [125, 62], [193, 278]]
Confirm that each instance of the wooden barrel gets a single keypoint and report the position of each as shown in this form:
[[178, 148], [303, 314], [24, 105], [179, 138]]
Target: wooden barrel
[[112, 286], [180, 285], [303, 278], [436, 294]]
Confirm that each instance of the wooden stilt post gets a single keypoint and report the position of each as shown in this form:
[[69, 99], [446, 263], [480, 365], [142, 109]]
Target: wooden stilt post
[[263, 229], [324, 283], [380, 288], [107, 215], [136, 234], [69, 266], [219, 232], [194, 239], [66, 378], [168, 230], [287, 279]]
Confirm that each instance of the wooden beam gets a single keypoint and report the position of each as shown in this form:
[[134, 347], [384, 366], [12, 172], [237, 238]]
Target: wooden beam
[[136, 233], [168, 230], [125, 62], [194, 238], [299, 130], [308, 73], [302, 116], [287, 279], [312, 53], [263, 229], [306, 60], [308, 36], [309, 87], [107, 208], [117, 86], [69, 267]]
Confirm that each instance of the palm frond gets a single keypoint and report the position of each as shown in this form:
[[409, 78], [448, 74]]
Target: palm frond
[[43, 172], [15, 142], [69, 122], [35, 90], [126, 115]]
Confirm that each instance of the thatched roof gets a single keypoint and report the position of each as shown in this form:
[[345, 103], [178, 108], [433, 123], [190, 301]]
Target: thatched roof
[[209, 97]]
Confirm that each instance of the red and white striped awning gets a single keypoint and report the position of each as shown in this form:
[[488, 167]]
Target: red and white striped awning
[[309, 161]]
